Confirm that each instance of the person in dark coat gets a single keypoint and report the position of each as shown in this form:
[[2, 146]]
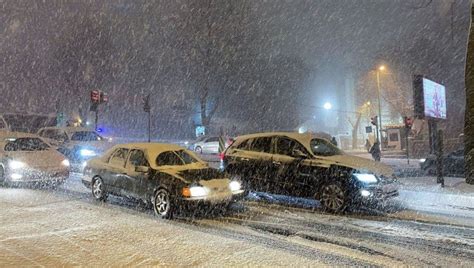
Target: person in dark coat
[[334, 141], [375, 151]]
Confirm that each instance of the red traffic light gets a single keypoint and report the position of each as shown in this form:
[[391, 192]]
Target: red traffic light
[[95, 96]]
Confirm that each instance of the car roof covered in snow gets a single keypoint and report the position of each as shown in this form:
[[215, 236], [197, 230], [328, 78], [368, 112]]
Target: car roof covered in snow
[[152, 149], [69, 129], [303, 137]]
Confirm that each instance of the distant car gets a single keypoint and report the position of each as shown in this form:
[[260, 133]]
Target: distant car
[[209, 145], [306, 166], [167, 176], [453, 164], [26, 158], [76, 143]]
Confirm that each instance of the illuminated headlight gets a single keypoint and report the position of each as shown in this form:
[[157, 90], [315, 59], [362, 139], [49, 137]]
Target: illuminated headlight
[[16, 176], [365, 193], [198, 191], [87, 152], [16, 164], [65, 163], [366, 178], [234, 186], [422, 160]]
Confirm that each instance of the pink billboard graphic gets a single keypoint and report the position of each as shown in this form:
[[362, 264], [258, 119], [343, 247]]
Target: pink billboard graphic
[[434, 99]]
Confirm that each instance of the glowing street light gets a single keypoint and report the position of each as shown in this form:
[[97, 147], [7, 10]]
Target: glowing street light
[[327, 106], [382, 68]]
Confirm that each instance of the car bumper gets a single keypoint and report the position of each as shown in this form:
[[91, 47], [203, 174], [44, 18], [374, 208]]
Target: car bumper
[[22, 177], [216, 198], [377, 193]]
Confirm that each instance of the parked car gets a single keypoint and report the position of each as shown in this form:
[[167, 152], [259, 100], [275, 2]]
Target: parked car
[[26, 158], [167, 176], [306, 166], [453, 164], [76, 143], [206, 145]]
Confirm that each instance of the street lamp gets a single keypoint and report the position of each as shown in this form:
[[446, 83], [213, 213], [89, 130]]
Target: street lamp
[[327, 106], [379, 132]]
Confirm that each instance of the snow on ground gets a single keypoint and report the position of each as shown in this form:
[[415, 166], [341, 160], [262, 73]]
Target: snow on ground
[[65, 227]]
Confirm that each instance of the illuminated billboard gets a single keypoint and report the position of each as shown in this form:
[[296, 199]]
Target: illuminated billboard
[[429, 98]]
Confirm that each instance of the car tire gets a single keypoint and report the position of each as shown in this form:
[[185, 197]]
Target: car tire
[[98, 189], [198, 150], [163, 204], [333, 197]]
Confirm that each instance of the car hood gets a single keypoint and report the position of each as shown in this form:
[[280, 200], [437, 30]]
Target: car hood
[[99, 146], [360, 164], [194, 172]]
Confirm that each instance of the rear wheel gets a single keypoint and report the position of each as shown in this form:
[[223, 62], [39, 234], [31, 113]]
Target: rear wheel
[[163, 204], [98, 190], [333, 197]]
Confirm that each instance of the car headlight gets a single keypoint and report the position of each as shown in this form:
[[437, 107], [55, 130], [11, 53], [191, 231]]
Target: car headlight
[[366, 178], [87, 152], [422, 160], [234, 186], [198, 191], [16, 164], [65, 163]]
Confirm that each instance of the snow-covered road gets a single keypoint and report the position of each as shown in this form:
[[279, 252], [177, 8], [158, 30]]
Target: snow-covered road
[[65, 227]]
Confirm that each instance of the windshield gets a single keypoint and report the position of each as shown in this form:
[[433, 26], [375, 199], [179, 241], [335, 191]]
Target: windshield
[[26, 144], [324, 148], [175, 158], [86, 136]]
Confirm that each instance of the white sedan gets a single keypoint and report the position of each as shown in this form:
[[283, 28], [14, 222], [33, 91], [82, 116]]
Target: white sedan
[[26, 158]]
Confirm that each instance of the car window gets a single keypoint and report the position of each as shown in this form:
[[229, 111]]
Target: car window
[[185, 157], [26, 144], [168, 159], [54, 134], [324, 148], [261, 145], [119, 157], [86, 136], [137, 158], [244, 145], [213, 139], [286, 146]]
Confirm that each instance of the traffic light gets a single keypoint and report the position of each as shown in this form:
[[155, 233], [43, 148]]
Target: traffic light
[[146, 104], [374, 120], [103, 97], [95, 96], [408, 122]]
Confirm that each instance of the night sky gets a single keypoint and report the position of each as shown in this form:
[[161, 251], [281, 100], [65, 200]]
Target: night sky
[[266, 63]]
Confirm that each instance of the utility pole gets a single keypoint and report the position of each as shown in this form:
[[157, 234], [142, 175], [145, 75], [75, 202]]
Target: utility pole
[[379, 131], [147, 109]]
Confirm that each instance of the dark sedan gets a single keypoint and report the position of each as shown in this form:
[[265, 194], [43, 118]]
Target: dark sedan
[[453, 164], [167, 176]]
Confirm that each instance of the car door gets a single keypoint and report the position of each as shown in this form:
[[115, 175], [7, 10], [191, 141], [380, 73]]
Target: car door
[[259, 165], [134, 182], [211, 146], [114, 173], [291, 176]]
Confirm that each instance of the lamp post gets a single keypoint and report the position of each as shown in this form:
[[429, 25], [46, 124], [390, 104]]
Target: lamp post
[[379, 133]]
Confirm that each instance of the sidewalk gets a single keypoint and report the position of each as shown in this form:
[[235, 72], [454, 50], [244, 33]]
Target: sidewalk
[[457, 197]]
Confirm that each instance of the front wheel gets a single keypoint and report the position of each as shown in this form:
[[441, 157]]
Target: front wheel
[[333, 197], [162, 204], [98, 190]]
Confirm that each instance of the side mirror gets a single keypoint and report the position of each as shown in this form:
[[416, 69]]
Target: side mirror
[[299, 154], [142, 169]]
